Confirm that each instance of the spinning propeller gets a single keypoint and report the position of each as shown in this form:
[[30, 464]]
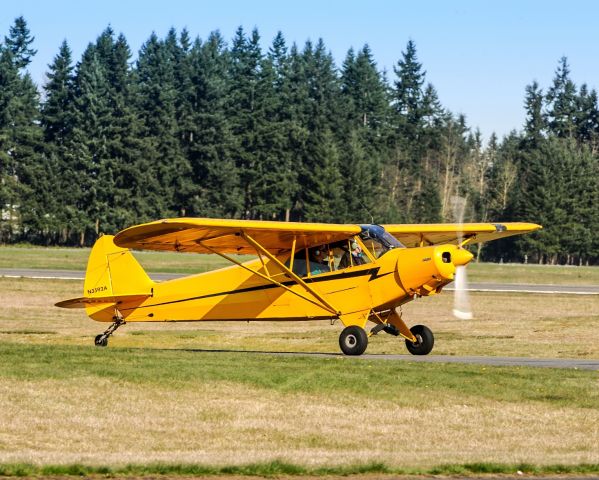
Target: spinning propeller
[[461, 305]]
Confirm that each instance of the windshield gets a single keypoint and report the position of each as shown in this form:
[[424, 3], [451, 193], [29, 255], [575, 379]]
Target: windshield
[[378, 240]]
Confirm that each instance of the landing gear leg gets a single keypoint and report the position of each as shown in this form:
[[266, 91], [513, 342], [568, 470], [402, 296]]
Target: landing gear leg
[[102, 339], [419, 339]]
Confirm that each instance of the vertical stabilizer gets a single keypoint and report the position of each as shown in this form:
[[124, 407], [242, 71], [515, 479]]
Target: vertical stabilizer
[[113, 279], [113, 270]]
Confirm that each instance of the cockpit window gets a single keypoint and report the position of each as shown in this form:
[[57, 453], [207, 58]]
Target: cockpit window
[[378, 240], [311, 262]]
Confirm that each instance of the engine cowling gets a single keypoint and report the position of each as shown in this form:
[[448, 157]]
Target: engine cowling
[[425, 270]]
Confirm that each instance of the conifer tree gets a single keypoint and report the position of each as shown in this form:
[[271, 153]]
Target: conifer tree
[[125, 149], [408, 92], [561, 100], [57, 114], [19, 42], [9, 186], [277, 183], [214, 171], [535, 123], [587, 118], [57, 121], [323, 88], [365, 134], [87, 146], [365, 95], [320, 111], [33, 171], [171, 192], [185, 88], [324, 202], [246, 115], [23, 181]]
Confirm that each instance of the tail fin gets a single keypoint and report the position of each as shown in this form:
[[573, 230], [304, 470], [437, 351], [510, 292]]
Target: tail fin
[[114, 271], [113, 276]]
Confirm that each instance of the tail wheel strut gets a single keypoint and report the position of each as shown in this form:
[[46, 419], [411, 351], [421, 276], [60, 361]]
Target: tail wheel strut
[[101, 340]]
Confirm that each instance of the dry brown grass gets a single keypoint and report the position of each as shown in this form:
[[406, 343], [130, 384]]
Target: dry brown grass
[[508, 324], [107, 422]]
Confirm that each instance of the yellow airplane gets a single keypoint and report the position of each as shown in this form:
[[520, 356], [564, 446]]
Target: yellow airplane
[[303, 271]]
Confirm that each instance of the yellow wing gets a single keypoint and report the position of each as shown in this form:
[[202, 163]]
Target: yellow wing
[[226, 236], [438, 233]]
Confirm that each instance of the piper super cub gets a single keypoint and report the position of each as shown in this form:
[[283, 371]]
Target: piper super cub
[[303, 271]]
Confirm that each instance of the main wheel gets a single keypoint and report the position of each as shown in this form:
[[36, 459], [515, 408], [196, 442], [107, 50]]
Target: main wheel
[[101, 340], [424, 343], [353, 340]]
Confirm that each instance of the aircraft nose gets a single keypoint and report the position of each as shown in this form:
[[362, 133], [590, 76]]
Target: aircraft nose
[[461, 257]]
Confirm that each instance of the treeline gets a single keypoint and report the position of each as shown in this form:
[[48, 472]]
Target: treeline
[[202, 127]]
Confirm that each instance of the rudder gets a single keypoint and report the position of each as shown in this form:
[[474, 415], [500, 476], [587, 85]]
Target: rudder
[[114, 271], [113, 277]]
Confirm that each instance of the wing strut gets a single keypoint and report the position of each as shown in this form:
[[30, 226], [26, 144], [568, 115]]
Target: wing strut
[[309, 289], [320, 301]]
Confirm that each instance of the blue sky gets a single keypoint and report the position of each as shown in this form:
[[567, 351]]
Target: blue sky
[[479, 55]]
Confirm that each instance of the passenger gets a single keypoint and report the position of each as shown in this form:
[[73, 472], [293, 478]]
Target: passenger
[[352, 258]]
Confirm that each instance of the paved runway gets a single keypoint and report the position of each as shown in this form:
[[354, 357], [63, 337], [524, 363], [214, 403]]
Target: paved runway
[[582, 364], [68, 274], [473, 286], [573, 363]]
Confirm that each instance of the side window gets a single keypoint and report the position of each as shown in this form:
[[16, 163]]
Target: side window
[[349, 254], [339, 252], [374, 247], [319, 260], [312, 262], [299, 266]]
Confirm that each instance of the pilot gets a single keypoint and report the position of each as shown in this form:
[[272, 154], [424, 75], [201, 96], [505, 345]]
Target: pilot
[[357, 257], [318, 261]]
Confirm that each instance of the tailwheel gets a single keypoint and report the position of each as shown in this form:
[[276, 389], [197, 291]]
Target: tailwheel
[[424, 340], [102, 339], [353, 340]]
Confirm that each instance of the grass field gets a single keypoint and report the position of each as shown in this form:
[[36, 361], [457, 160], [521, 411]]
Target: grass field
[[76, 259], [182, 394], [68, 404]]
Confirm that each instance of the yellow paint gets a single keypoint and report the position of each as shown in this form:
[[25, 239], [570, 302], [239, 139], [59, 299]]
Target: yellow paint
[[265, 289]]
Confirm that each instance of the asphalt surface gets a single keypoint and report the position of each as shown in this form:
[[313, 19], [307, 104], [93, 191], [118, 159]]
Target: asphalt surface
[[569, 363], [577, 364], [473, 286]]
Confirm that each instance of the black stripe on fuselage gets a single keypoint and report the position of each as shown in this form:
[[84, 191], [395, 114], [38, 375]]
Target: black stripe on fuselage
[[373, 272]]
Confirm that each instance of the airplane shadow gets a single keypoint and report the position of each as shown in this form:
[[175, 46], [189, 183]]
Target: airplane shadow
[[264, 352]]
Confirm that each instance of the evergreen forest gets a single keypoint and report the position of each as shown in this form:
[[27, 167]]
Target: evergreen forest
[[223, 128]]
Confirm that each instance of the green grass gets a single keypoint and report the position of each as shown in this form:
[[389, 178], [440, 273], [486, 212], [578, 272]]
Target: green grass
[[278, 468], [398, 381]]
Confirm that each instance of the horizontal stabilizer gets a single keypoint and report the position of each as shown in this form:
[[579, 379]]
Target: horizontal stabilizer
[[83, 302]]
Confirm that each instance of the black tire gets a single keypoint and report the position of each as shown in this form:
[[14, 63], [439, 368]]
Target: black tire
[[425, 342], [353, 340], [101, 341]]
